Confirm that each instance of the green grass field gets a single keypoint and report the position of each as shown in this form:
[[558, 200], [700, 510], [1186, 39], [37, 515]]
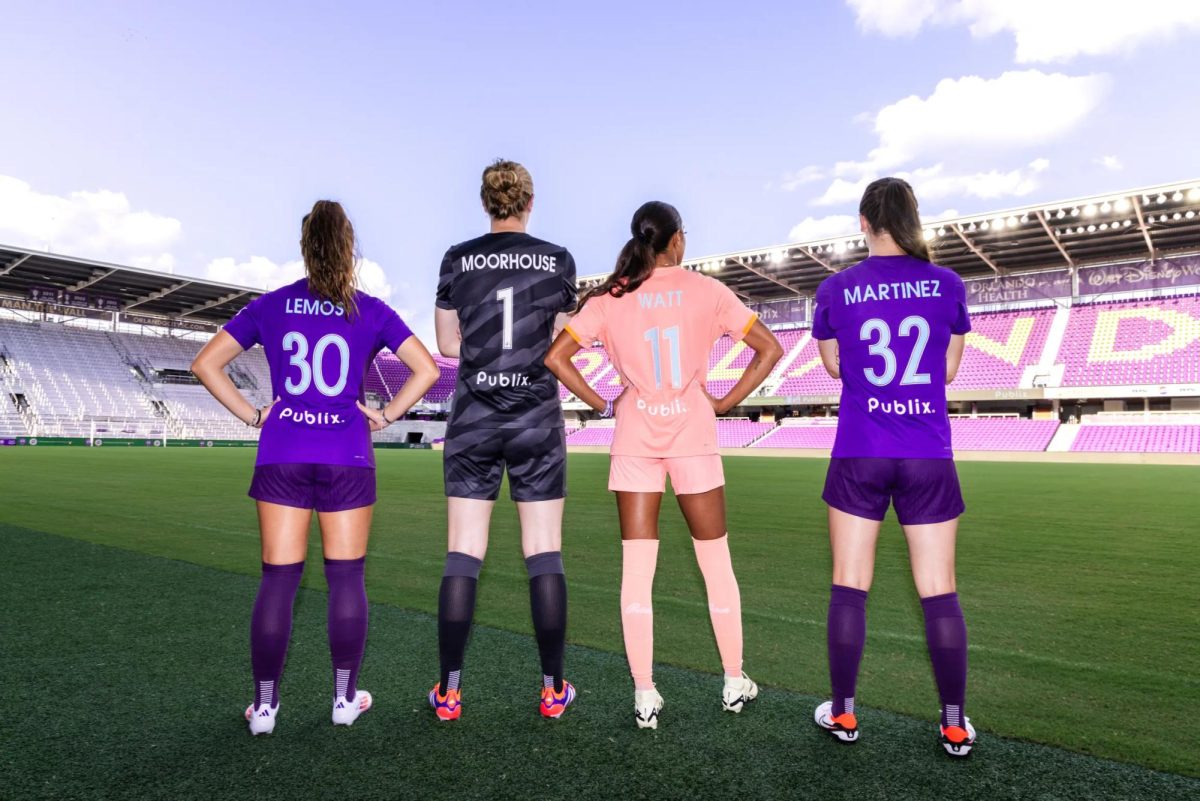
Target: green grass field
[[128, 575]]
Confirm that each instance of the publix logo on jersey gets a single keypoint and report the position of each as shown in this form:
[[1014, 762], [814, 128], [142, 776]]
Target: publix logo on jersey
[[500, 380], [900, 407], [662, 409], [312, 419]]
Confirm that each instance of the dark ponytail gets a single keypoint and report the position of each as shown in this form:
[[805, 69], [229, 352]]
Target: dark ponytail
[[653, 227], [890, 205], [330, 256]]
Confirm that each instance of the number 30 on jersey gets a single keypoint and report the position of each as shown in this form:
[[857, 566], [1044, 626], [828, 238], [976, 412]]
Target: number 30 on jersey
[[314, 373]]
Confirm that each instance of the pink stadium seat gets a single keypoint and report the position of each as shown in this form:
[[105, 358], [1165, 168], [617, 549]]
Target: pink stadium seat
[[1135, 342], [1001, 433], [1137, 438]]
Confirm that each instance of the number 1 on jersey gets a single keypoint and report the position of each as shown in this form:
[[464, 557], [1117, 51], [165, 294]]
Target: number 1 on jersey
[[505, 296], [672, 336]]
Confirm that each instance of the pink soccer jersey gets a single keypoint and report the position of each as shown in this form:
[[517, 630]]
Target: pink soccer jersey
[[659, 339]]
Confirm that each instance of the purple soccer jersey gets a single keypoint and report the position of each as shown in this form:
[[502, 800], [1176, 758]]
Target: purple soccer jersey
[[892, 317], [319, 362]]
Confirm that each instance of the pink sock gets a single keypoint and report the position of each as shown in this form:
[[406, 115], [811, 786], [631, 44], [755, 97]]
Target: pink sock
[[638, 558], [724, 600]]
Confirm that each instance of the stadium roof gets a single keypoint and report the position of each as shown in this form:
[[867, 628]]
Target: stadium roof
[[31, 275], [1133, 225]]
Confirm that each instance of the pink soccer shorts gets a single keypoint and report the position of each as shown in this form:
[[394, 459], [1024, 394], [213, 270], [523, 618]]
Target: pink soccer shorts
[[689, 474]]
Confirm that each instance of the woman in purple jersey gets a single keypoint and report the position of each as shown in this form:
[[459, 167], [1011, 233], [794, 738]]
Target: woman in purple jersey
[[891, 328], [320, 334]]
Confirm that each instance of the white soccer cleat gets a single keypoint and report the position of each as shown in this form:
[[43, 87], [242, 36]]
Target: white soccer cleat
[[646, 706], [346, 712], [844, 727], [262, 720], [737, 693], [958, 740]]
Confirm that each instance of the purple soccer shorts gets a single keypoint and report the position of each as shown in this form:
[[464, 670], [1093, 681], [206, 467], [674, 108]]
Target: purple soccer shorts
[[324, 487], [923, 491]]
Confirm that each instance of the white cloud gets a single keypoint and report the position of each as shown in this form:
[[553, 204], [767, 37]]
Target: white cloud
[[261, 272], [1016, 109], [931, 183], [812, 228], [1110, 163], [1044, 32], [100, 225], [797, 178]]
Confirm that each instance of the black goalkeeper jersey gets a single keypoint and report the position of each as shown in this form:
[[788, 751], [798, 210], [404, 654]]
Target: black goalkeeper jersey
[[507, 289]]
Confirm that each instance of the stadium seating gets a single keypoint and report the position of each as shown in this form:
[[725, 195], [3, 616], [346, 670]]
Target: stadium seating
[[593, 435], [738, 432], [388, 374], [801, 433], [1138, 438], [805, 375], [1135, 342], [1000, 346], [1001, 433]]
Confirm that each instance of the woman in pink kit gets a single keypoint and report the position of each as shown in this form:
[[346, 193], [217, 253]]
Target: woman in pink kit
[[891, 328], [320, 335], [658, 322]]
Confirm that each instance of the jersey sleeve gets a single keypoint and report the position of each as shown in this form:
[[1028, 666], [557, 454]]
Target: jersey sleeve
[[588, 326], [733, 317], [245, 326], [570, 291], [821, 328], [393, 331], [961, 321], [446, 283]]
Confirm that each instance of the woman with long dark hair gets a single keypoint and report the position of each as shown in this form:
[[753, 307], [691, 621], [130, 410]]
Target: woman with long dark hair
[[320, 335], [891, 328], [658, 322]]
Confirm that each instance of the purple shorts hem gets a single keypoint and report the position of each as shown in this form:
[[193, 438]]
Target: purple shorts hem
[[923, 491], [325, 488]]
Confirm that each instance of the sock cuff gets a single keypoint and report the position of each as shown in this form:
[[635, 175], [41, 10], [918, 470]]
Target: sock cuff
[[640, 545], [345, 565], [545, 563], [847, 596], [941, 605], [461, 564], [720, 543], [295, 568]]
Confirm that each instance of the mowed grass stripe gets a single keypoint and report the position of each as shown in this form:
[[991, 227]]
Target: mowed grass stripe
[[126, 676], [1074, 577]]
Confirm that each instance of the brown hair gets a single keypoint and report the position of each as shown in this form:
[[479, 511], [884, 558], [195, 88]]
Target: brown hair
[[653, 226], [890, 205], [507, 189], [327, 244]]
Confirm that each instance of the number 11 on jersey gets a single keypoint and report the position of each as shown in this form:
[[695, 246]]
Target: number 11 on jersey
[[672, 336]]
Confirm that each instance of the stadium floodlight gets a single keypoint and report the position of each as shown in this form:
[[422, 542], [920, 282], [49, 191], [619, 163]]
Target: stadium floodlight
[[1176, 216], [928, 234], [998, 223], [1089, 210], [1075, 212], [1177, 197], [1024, 218], [1103, 226], [1162, 218], [1012, 222], [1105, 207], [1127, 223], [1123, 205], [1091, 229], [941, 231], [1190, 214], [971, 227], [1193, 194], [839, 248], [983, 225], [1061, 213], [777, 257], [1161, 199]]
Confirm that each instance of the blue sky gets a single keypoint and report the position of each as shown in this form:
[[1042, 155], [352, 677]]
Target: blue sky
[[193, 136]]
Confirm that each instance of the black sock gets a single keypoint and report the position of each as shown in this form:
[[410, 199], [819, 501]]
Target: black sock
[[456, 608], [548, 605]]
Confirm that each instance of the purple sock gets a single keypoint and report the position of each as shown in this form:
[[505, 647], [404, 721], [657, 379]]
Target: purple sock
[[846, 635], [946, 636], [271, 627], [347, 622]]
